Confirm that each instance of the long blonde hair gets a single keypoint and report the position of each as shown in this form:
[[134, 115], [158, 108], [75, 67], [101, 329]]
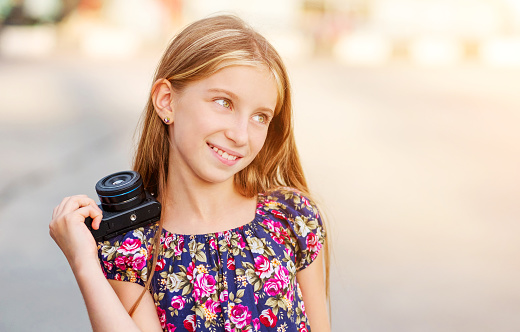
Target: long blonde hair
[[200, 50]]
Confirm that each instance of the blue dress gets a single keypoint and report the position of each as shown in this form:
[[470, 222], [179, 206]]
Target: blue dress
[[243, 279]]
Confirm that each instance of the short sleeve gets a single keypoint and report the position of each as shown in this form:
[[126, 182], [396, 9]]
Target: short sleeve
[[304, 220], [125, 257]]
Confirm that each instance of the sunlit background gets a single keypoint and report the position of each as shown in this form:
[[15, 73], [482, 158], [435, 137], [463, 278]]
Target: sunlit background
[[407, 116]]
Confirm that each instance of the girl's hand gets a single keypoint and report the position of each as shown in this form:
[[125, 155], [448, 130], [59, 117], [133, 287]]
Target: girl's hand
[[69, 231]]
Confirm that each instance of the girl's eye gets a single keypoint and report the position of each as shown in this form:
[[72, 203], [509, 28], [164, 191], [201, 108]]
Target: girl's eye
[[261, 118], [223, 102]]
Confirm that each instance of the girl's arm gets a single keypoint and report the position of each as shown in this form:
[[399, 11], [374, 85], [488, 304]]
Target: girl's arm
[[105, 309], [312, 285], [108, 301]]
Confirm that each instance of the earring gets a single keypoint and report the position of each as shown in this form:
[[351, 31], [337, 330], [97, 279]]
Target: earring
[[167, 120]]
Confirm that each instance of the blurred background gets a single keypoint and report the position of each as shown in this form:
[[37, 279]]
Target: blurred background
[[407, 116]]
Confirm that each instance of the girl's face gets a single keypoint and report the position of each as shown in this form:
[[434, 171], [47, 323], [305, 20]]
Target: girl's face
[[220, 123]]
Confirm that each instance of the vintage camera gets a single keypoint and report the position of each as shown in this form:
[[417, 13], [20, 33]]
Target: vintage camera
[[125, 205]]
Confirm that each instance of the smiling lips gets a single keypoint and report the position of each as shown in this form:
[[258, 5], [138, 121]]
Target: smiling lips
[[223, 153]]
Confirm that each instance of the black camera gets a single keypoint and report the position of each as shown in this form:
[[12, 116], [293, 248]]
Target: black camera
[[125, 205]]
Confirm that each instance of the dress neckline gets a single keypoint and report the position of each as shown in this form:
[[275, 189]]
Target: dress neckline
[[260, 199]]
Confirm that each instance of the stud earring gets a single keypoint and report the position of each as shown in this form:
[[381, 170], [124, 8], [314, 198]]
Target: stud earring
[[167, 120]]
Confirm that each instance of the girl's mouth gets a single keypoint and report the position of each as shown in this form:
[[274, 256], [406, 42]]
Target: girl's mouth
[[225, 155]]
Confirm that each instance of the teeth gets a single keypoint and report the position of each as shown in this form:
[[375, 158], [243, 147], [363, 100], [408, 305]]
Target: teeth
[[223, 154]]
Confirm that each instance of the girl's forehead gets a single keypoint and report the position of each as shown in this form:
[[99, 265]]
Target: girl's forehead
[[242, 79]]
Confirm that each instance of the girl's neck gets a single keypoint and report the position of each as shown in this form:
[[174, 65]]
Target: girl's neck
[[200, 208]]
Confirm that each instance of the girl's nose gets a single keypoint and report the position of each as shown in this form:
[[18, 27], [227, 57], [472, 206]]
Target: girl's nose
[[238, 131]]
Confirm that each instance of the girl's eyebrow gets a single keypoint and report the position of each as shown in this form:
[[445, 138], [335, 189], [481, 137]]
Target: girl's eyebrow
[[229, 93], [234, 96]]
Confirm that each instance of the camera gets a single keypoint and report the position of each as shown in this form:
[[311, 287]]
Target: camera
[[125, 205]]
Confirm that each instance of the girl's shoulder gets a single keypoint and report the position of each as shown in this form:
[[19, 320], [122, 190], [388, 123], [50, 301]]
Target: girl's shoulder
[[290, 217], [290, 200]]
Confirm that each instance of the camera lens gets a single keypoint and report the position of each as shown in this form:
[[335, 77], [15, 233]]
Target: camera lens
[[120, 191]]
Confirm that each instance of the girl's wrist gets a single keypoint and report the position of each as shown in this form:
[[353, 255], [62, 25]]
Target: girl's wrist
[[84, 266]]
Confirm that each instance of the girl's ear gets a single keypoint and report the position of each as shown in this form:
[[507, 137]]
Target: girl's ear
[[162, 99]]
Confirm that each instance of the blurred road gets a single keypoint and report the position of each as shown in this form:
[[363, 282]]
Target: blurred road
[[416, 169]]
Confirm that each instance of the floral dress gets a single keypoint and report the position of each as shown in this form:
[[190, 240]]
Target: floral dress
[[243, 279]]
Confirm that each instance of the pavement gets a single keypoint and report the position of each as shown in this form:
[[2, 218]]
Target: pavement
[[415, 168]]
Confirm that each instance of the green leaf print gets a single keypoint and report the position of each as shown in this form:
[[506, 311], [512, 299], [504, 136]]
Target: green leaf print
[[201, 256]]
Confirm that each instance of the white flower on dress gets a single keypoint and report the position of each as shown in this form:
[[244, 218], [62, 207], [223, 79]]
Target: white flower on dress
[[300, 227], [256, 245], [173, 282]]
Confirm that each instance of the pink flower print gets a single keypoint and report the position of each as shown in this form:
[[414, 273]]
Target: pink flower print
[[120, 262], [168, 240], [256, 298], [268, 318], [290, 294], [213, 244], [283, 231], [260, 212], [273, 287], [203, 286], [302, 307], [278, 238], [256, 323], [270, 225], [138, 262], [162, 316], [213, 306], [160, 264], [313, 243], [223, 295], [259, 204], [189, 323], [189, 271], [108, 265], [263, 267], [171, 327], [178, 302], [305, 201], [231, 263], [303, 327], [283, 275], [227, 326], [180, 245], [240, 316], [227, 236], [279, 214], [130, 246], [241, 244]]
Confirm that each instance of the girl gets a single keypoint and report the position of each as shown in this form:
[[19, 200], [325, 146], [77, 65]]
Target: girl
[[238, 244]]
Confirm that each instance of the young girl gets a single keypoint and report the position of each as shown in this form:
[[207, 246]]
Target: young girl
[[238, 244]]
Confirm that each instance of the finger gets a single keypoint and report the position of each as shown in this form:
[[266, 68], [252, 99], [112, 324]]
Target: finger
[[96, 222], [76, 202], [65, 204], [59, 208], [88, 211]]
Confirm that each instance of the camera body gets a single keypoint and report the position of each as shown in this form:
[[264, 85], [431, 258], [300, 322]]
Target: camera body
[[125, 205]]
